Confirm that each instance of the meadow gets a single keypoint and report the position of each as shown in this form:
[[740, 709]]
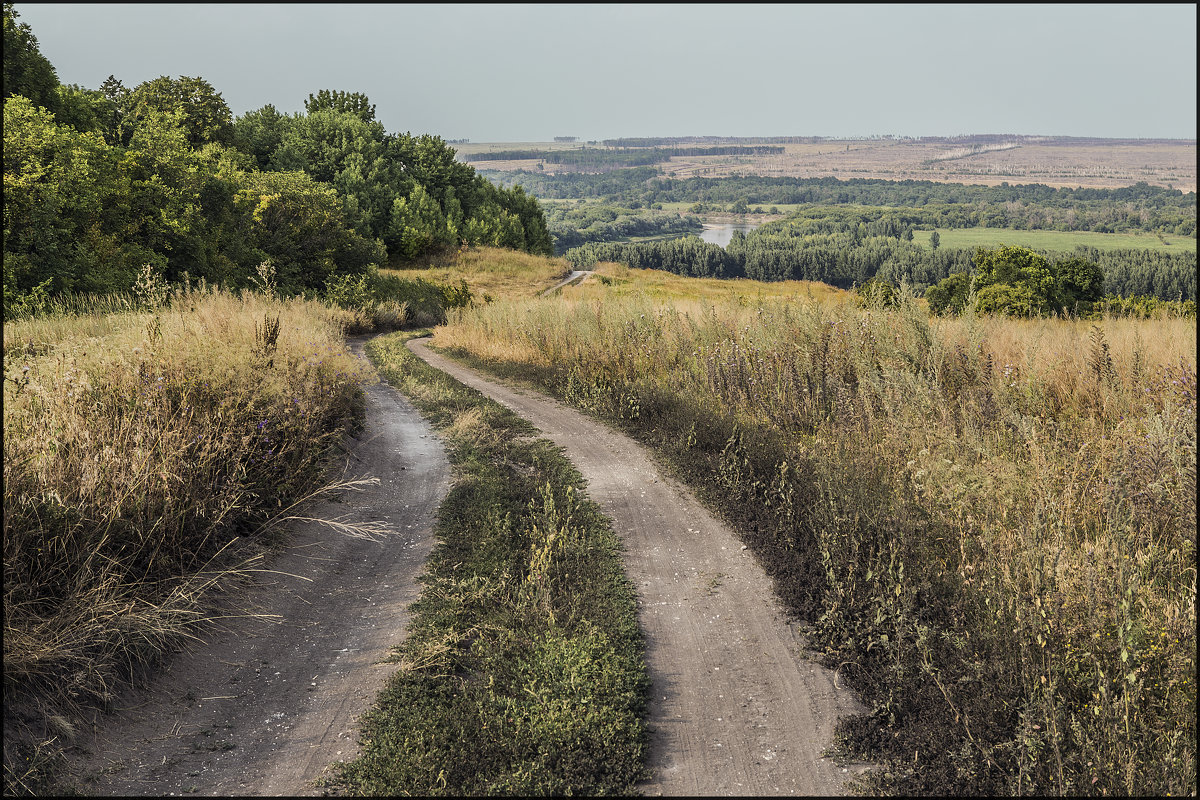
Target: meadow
[[989, 524], [1062, 241]]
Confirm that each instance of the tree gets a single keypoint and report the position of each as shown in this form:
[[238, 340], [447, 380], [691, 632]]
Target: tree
[[417, 225], [1079, 285], [85, 110], [300, 225], [58, 184], [1026, 274], [204, 113], [259, 133], [26, 71], [934, 240], [355, 103], [950, 295]]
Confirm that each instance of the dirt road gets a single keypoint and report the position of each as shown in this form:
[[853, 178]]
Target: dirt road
[[736, 710], [263, 708]]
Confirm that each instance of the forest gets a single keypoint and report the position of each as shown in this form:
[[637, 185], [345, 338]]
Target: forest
[[99, 182]]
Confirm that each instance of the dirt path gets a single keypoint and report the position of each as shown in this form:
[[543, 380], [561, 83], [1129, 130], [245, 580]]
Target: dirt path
[[575, 276], [262, 709], [736, 710]]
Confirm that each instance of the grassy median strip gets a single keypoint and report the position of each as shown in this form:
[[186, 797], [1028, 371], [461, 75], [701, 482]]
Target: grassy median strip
[[523, 669]]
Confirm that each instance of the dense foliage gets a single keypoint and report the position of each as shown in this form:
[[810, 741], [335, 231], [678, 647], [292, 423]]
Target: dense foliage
[[574, 226], [99, 183], [1016, 281]]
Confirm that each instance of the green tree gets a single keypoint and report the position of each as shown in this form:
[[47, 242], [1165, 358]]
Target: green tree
[[204, 113], [355, 103], [60, 189], [1008, 299], [85, 110], [1030, 281], [301, 226], [27, 72], [417, 225], [347, 152], [259, 133], [1079, 285], [949, 295], [935, 240]]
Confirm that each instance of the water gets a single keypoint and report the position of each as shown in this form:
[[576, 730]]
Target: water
[[721, 234]]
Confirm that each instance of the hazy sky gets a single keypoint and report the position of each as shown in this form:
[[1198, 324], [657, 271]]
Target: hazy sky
[[532, 72]]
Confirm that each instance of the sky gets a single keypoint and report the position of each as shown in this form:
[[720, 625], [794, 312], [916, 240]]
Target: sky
[[530, 72]]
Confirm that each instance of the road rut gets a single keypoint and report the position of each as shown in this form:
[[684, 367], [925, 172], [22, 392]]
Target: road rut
[[736, 709], [262, 709]]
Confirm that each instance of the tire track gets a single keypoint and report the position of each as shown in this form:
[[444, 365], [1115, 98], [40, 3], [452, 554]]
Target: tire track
[[735, 707], [262, 709]]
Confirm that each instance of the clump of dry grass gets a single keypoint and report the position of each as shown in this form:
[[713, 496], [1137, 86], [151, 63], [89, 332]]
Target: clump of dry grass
[[144, 454], [1000, 513]]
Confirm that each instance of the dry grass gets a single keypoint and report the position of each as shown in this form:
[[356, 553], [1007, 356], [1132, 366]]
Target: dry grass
[[1001, 512], [491, 272], [145, 455]]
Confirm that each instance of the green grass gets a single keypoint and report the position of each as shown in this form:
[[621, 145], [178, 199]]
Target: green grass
[[523, 670], [1056, 240]]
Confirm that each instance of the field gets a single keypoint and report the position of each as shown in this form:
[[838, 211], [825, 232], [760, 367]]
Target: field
[[1053, 161], [1065, 241], [989, 524]]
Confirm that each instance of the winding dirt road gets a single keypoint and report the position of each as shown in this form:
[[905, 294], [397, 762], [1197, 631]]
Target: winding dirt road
[[262, 708], [736, 709]]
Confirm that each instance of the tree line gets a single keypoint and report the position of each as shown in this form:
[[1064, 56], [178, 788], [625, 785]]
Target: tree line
[[99, 182], [844, 251], [1140, 207]]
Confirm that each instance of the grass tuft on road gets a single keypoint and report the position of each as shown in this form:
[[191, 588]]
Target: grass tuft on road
[[523, 670]]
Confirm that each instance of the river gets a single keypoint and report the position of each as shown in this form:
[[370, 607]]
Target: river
[[722, 233]]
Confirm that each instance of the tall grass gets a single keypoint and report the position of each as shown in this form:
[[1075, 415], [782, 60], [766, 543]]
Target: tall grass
[[146, 454], [989, 523]]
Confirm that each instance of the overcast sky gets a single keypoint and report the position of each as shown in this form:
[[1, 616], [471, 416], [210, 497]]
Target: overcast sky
[[510, 73]]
